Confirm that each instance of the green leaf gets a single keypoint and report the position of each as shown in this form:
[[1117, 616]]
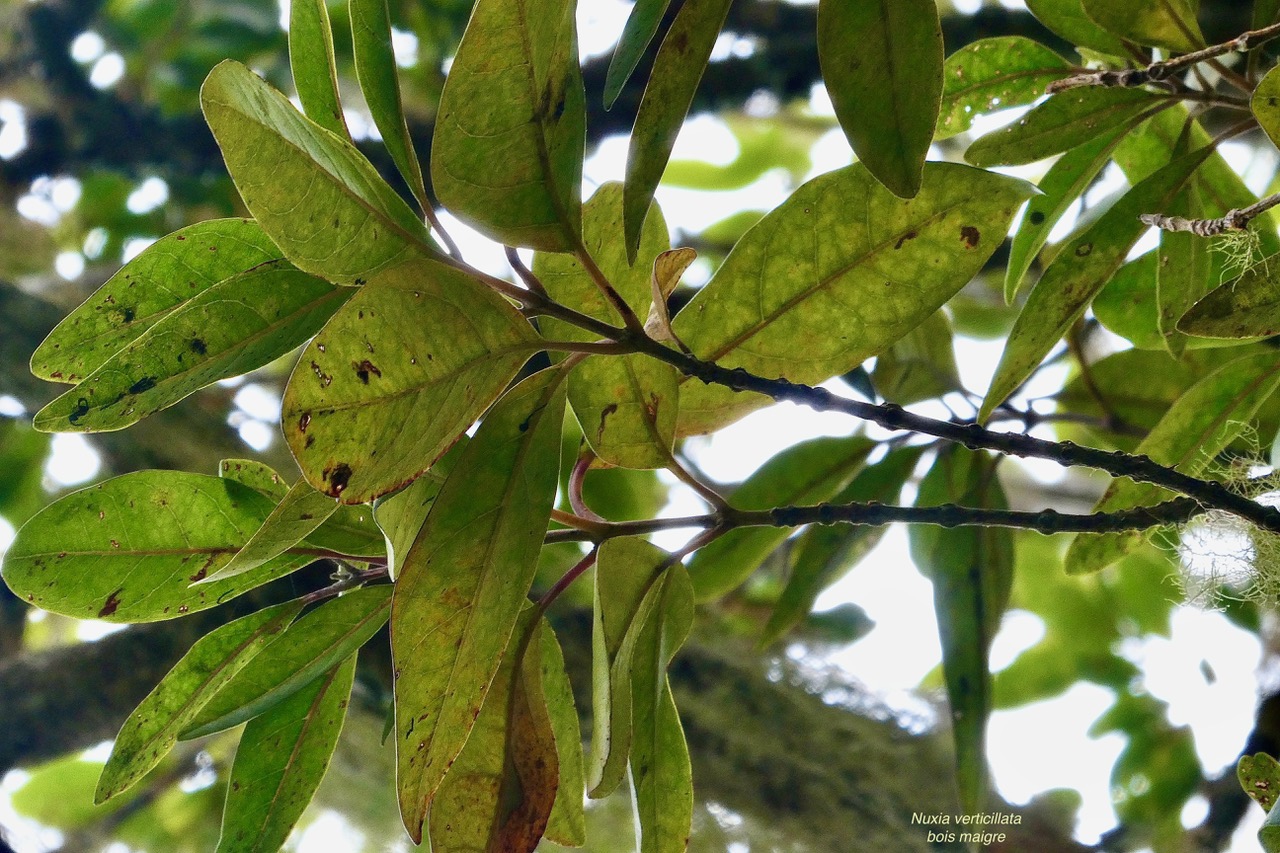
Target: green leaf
[[1066, 181], [627, 404], [146, 290], [422, 345], [128, 550], [642, 25], [1169, 24], [1184, 272], [824, 553], [661, 777], [626, 571], [895, 264], [258, 476], [1067, 18], [314, 194], [1269, 834], [802, 475], [499, 794], [401, 514], [972, 573], [882, 63], [1248, 307], [59, 794], [282, 757], [1064, 121], [1077, 274], [1202, 422], [1126, 305], [1259, 775], [380, 83], [921, 365], [152, 729], [509, 135], [297, 515], [994, 74], [235, 326], [677, 70], [464, 580], [567, 823], [316, 643], [314, 66], [1265, 104], [1265, 12]]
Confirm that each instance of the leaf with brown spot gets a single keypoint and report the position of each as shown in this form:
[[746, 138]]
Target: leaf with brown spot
[[152, 729], [464, 581], [446, 345], [1259, 775]]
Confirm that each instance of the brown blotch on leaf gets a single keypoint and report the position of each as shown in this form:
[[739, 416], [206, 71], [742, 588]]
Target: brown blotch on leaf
[[604, 416], [364, 368], [970, 235], [198, 346], [304, 421], [81, 409], [1036, 217], [111, 605], [1083, 250], [910, 235], [338, 476], [146, 383], [200, 575]]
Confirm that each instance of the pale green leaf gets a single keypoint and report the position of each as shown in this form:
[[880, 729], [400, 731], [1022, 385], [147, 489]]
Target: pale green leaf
[[823, 553], [1269, 834], [994, 74], [661, 777], [1203, 421], [895, 264], [314, 67], [1184, 272], [642, 25], [464, 580], [314, 194], [1246, 307], [1266, 105], [507, 152], [128, 550], [802, 475], [380, 83], [258, 476], [1077, 274], [1126, 305], [152, 729], [921, 365], [282, 757], [1259, 775], [235, 326], [627, 405], [297, 515], [1061, 186], [677, 70], [319, 641], [567, 823], [499, 794], [146, 290], [1067, 18], [1169, 24], [1064, 121], [400, 515], [626, 569], [972, 573], [423, 346], [882, 64]]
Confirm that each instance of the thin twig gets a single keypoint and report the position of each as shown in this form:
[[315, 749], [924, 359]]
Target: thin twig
[[1163, 70], [577, 479], [438, 228], [526, 275], [1234, 220], [1047, 521], [558, 588]]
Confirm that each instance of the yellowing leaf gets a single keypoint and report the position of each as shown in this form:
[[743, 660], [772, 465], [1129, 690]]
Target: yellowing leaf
[[882, 63], [847, 268], [462, 584], [314, 194], [1169, 24], [994, 74], [422, 345], [508, 145], [314, 67], [297, 515], [128, 550], [1247, 307], [152, 729]]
